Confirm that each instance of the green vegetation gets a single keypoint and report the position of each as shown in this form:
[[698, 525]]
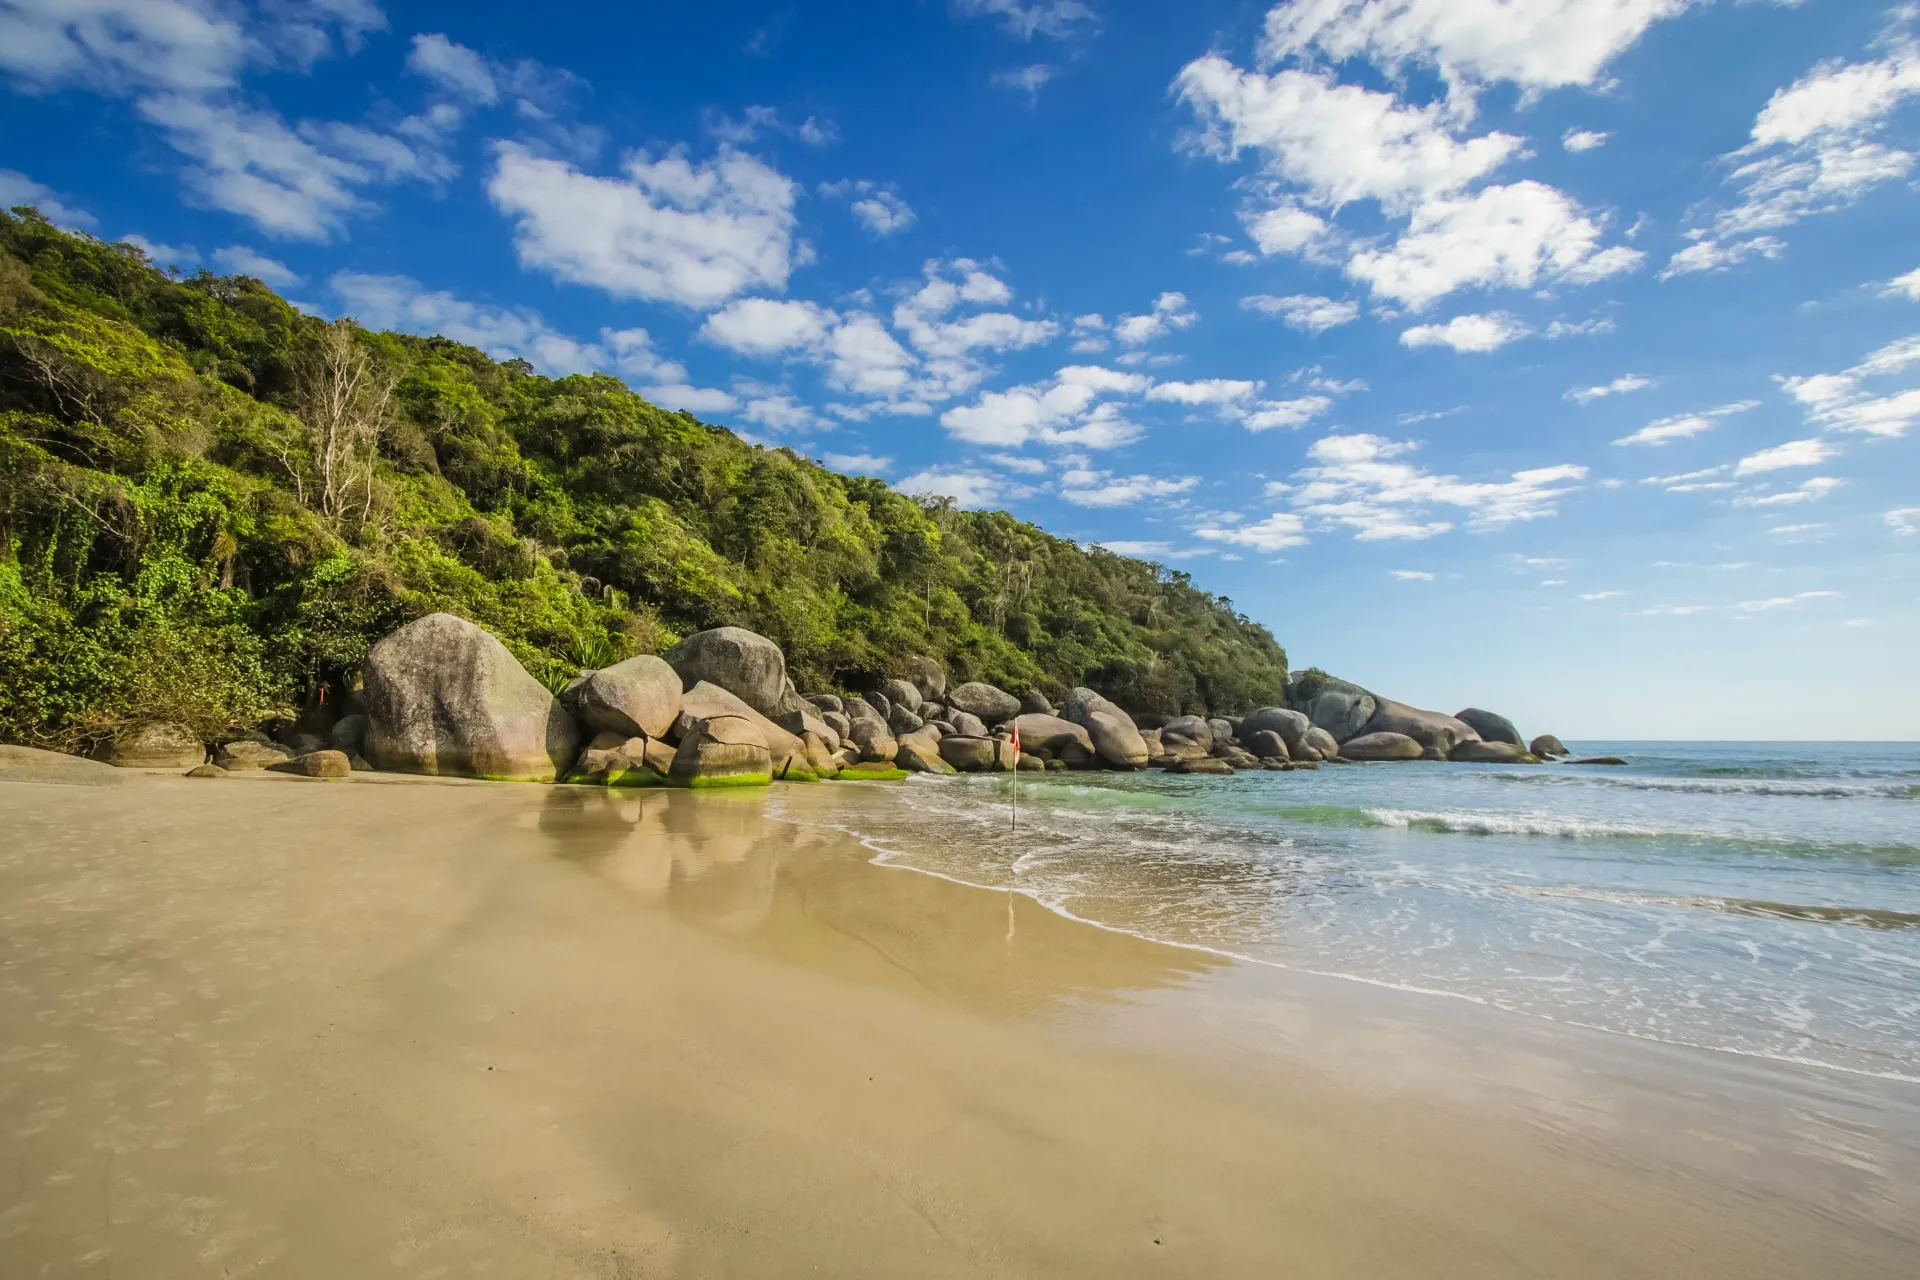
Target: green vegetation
[[211, 505]]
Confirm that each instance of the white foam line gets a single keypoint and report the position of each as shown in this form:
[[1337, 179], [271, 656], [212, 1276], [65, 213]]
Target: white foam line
[[883, 857]]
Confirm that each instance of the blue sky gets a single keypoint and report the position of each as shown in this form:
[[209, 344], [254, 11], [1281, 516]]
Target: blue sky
[[1558, 356]]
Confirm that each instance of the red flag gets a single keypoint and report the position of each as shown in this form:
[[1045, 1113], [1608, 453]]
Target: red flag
[[1016, 746]]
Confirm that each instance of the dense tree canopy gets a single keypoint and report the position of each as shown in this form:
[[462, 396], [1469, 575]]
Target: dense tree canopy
[[212, 504]]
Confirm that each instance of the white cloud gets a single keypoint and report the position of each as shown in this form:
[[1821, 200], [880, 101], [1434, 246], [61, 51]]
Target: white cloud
[[1309, 313], [1800, 532], [1170, 312], [1621, 385], [1360, 482], [1794, 453], [1277, 532], [754, 120], [768, 326], [1285, 228], [1522, 235], [400, 302], [1906, 286], [775, 408], [454, 67], [1088, 488], [969, 489], [1214, 391], [1842, 402], [1681, 426], [668, 229], [164, 255], [1535, 44], [1714, 255], [1060, 19], [1029, 79], [864, 464], [1812, 150], [1553, 582], [1671, 611], [120, 45], [692, 399], [1015, 462], [1135, 547], [239, 260], [1602, 595], [1693, 481], [1411, 575], [17, 188], [1286, 415], [1341, 142], [1477, 333], [879, 208], [1904, 521], [1809, 491], [1578, 140], [1783, 602], [1071, 408]]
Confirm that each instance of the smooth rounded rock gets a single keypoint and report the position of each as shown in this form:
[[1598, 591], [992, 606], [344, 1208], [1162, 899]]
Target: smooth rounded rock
[[1048, 733], [744, 663], [154, 746], [205, 771], [639, 697], [991, 705], [244, 755], [722, 751], [30, 764], [902, 694], [1338, 706], [1381, 746], [1491, 753], [1437, 733], [317, 764], [927, 677], [1268, 745], [1491, 726], [1546, 746], [1204, 765], [1292, 726], [977, 755]]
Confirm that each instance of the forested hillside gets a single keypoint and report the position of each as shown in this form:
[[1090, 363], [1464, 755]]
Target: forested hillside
[[212, 504]]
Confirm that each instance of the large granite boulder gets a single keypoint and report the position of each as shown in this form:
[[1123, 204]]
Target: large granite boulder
[[928, 677], [821, 756], [902, 721], [1194, 728], [902, 694], [805, 720], [1547, 747], [1318, 741], [827, 701], [155, 746], [638, 698], [1337, 706], [977, 755], [868, 730], [839, 722], [703, 701], [326, 763], [349, 734], [722, 751], [444, 697], [1223, 730], [749, 666], [1176, 746], [30, 764], [1437, 733], [1268, 745], [1490, 726], [920, 753], [983, 700], [1115, 739], [1291, 725], [1045, 734], [1034, 703], [1381, 746], [971, 726], [1491, 753], [244, 755]]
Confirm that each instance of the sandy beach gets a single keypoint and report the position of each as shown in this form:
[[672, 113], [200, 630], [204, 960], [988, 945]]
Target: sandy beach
[[268, 1026]]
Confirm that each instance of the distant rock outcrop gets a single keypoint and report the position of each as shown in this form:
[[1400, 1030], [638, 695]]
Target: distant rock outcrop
[[1491, 727]]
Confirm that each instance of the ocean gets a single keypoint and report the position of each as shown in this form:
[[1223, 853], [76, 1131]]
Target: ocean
[[1748, 898]]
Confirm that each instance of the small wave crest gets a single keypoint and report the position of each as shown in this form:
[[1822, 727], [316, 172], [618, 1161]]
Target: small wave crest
[[1801, 913], [1828, 789]]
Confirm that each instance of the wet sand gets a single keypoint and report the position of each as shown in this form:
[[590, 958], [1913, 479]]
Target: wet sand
[[274, 1027]]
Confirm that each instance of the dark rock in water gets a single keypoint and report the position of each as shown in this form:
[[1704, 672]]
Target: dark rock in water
[[1034, 703], [902, 721], [1115, 739], [1546, 746], [244, 754], [636, 698], [977, 755], [722, 751], [1192, 728], [1032, 762], [205, 771], [444, 697], [1268, 745], [1490, 726], [1056, 766], [317, 764], [1598, 760], [1292, 726], [1048, 733], [926, 676], [349, 733], [1381, 746], [1491, 753], [154, 746], [902, 694], [1303, 764], [827, 702], [991, 705], [1338, 706], [749, 666], [1436, 733], [1203, 764]]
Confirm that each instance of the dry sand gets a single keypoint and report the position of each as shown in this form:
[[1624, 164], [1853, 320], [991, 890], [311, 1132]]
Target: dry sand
[[267, 1026]]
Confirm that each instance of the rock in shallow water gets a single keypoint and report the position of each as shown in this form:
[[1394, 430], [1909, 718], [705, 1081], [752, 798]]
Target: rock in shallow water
[[1490, 726], [1381, 746]]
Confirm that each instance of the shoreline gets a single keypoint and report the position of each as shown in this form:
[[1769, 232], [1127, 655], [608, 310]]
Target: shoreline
[[569, 1031]]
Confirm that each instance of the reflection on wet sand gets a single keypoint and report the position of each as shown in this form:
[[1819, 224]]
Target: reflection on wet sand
[[802, 893]]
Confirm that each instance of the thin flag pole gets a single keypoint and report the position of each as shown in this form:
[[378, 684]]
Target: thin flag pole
[[1016, 777]]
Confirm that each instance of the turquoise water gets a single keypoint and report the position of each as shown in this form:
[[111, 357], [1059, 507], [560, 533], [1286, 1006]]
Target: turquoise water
[[1753, 898]]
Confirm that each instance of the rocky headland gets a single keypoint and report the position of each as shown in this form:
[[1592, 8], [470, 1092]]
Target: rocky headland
[[442, 696]]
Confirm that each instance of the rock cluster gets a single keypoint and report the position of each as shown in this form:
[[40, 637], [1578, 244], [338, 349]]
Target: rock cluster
[[443, 696]]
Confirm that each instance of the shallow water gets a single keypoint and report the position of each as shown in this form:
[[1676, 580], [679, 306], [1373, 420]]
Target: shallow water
[[1752, 898]]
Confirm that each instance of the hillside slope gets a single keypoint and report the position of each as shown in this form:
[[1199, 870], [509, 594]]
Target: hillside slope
[[211, 504]]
